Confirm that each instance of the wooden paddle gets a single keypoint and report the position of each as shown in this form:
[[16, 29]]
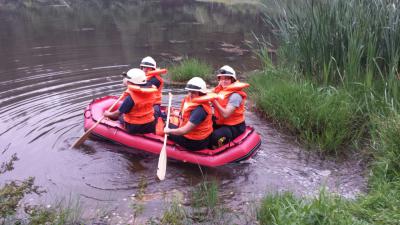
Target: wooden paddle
[[162, 161], [87, 133]]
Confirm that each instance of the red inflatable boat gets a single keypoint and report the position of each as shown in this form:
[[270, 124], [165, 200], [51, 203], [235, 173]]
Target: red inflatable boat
[[242, 148]]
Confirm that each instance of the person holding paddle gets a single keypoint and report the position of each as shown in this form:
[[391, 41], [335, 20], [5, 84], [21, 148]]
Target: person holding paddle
[[195, 128], [229, 107], [137, 108]]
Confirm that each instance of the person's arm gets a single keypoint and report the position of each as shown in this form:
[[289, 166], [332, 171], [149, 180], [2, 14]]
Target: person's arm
[[112, 115], [154, 81], [125, 107], [197, 116], [234, 101], [225, 112], [181, 130]]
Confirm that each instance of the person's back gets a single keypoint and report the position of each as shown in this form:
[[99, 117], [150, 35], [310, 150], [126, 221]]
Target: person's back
[[137, 108]]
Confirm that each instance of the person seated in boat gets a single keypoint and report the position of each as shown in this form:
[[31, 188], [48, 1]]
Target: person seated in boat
[[195, 128], [229, 107], [149, 64], [137, 108]]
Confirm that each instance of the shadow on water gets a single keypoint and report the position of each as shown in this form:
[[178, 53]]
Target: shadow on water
[[56, 56]]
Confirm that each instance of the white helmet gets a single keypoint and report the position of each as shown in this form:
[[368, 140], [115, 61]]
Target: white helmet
[[148, 62], [227, 71], [136, 76], [196, 84]]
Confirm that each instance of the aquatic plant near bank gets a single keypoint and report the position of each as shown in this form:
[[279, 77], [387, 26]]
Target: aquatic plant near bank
[[189, 68], [13, 212], [341, 42], [13, 192], [203, 207], [326, 119]]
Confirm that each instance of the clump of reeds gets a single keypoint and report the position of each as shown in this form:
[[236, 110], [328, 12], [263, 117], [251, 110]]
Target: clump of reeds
[[189, 68], [342, 42]]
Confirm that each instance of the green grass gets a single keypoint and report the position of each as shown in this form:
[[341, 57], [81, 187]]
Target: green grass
[[336, 86], [341, 42], [62, 213], [189, 68], [326, 119], [204, 207], [386, 167], [175, 213], [287, 209], [380, 206]]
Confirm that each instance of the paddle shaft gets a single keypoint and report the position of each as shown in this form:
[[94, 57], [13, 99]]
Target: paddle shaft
[[162, 160], [87, 133]]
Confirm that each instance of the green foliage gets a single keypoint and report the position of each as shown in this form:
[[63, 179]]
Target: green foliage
[[60, 214], [205, 208], [205, 195], [189, 68], [340, 42], [387, 150], [12, 193], [381, 205], [7, 166], [175, 214], [326, 118], [287, 209], [204, 200], [138, 206], [350, 45]]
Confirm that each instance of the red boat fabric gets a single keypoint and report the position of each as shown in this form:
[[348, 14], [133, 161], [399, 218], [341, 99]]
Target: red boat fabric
[[242, 148]]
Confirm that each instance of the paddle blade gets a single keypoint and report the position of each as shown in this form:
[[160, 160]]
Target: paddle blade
[[162, 161], [81, 139], [162, 164], [86, 134]]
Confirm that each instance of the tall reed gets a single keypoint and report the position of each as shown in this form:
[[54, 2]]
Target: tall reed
[[340, 42]]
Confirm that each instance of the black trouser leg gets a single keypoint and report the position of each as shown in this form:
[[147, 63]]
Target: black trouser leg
[[221, 136]]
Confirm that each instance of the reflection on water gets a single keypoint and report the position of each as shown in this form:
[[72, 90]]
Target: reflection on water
[[56, 56]]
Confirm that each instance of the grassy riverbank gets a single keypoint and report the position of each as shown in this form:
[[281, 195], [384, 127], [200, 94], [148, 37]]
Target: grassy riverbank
[[336, 87]]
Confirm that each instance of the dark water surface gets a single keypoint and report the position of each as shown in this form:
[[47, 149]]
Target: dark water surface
[[56, 57]]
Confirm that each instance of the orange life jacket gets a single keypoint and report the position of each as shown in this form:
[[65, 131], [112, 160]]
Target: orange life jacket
[[142, 112], [157, 75], [204, 129], [223, 99]]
